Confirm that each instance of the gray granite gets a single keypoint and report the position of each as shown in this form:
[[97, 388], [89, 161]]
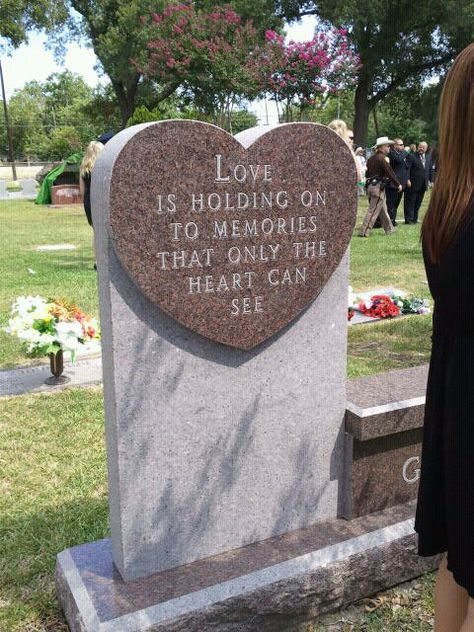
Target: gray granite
[[29, 188], [4, 194], [211, 448], [85, 372], [266, 587]]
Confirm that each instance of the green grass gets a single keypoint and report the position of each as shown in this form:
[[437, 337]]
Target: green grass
[[380, 261], [53, 480], [24, 270], [388, 261]]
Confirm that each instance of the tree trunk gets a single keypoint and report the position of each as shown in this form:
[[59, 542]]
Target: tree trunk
[[126, 97], [376, 122], [362, 111]]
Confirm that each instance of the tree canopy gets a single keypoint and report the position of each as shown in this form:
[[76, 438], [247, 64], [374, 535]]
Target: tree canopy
[[115, 31], [20, 16], [56, 117], [399, 43]]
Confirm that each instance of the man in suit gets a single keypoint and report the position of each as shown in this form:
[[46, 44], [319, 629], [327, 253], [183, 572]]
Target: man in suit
[[419, 177], [398, 158]]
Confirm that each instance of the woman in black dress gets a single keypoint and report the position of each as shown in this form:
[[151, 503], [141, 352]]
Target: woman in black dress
[[445, 510]]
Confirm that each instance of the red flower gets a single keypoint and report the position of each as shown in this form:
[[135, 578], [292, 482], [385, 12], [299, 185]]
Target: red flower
[[382, 307]]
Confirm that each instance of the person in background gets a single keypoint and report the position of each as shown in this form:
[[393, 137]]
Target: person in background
[[445, 510], [418, 181], [412, 148], [379, 173], [400, 165], [93, 151], [360, 156], [434, 163], [340, 127], [350, 135]]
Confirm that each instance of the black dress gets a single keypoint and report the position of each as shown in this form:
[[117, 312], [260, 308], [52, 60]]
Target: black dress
[[445, 510], [87, 196]]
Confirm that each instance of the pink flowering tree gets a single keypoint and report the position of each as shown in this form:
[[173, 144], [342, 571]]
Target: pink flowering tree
[[305, 74], [208, 56]]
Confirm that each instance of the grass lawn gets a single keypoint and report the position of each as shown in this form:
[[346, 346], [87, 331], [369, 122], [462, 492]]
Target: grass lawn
[[52, 463], [380, 261], [53, 495], [25, 270]]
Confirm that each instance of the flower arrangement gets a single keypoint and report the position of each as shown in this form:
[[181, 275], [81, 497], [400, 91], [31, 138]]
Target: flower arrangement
[[379, 306], [413, 305], [48, 326]]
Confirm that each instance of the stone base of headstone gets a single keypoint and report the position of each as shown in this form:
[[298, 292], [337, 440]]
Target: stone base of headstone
[[270, 586]]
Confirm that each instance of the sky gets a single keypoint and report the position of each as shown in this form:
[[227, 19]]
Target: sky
[[32, 61]]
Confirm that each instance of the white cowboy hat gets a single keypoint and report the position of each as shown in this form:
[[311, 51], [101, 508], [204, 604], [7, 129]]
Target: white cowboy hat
[[382, 140]]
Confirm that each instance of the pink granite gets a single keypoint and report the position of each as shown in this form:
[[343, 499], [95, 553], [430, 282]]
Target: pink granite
[[231, 242]]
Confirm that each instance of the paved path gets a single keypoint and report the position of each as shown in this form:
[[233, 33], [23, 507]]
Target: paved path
[[85, 372]]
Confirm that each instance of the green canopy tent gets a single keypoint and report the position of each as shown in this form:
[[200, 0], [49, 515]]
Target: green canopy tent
[[44, 195]]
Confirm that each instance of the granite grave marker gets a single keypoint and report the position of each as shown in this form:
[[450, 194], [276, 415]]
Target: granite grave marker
[[212, 446], [223, 273]]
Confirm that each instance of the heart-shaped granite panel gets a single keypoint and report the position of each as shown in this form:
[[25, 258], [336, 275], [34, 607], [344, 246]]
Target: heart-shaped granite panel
[[232, 242]]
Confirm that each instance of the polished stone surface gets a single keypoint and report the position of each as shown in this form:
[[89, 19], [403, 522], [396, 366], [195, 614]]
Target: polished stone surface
[[211, 447], [386, 403], [385, 471], [232, 241], [384, 420], [268, 586]]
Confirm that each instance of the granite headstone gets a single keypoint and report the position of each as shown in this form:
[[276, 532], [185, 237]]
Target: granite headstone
[[223, 288]]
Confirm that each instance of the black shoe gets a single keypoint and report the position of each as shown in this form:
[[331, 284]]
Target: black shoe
[[95, 267]]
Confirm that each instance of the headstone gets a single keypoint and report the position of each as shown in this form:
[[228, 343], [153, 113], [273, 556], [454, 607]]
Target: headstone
[[384, 424], [4, 195], [48, 247], [29, 188], [223, 274], [224, 378], [65, 194]]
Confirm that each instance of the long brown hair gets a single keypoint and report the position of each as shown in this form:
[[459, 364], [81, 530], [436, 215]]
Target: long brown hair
[[454, 186]]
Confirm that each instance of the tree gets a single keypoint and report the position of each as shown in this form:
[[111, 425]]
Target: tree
[[209, 54], [57, 116], [114, 30], [21, 16], [305, 74], [399, 44]]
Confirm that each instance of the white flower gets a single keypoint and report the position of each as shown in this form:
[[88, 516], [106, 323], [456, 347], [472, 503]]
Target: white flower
[[65, 331], [368, 303]]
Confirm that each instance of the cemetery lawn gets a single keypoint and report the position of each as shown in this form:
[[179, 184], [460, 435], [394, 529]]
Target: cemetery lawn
[[53, 496], [378, 262], [24, 270]]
